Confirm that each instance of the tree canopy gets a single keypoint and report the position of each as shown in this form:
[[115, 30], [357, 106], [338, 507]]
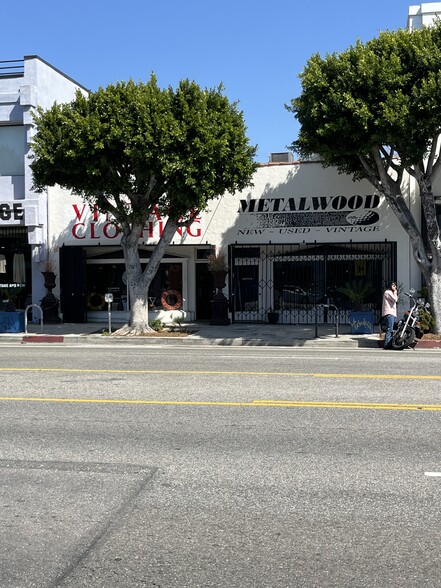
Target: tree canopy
[[134, 149], [132, 146], [383, 96], [374, 112]]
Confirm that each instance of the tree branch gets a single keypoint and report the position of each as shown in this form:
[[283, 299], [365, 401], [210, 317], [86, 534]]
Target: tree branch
[[434, 163], [186, 223], [373, 178]]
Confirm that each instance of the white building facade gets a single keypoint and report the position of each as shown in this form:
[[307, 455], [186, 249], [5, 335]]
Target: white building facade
[[293, 239]]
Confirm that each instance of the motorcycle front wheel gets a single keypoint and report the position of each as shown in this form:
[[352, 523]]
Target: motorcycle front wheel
[[403, 339]]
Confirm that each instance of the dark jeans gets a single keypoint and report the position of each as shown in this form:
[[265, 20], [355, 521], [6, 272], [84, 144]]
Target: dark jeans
[[389, 326]]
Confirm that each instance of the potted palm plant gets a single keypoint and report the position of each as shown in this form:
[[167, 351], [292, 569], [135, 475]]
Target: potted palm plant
[[361, 318]]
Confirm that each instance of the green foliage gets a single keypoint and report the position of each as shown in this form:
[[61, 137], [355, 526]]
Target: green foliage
[[132, 147], [373, 112], [177, 324], [427, 322], [381, 94], [157, 325], [357, 291], [133, 150]]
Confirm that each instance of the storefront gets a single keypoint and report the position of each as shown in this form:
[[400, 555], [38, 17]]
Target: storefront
[[87, 273], [293, 239], [300, 282]]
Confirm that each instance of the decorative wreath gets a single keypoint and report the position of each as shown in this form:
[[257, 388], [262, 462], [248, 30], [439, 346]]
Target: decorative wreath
[[95, 301], [171, 294]]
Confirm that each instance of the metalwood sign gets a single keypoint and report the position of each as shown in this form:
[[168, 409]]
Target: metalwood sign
[[309, 214]]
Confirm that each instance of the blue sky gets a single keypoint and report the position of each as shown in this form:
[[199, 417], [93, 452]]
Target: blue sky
[[256, 49]]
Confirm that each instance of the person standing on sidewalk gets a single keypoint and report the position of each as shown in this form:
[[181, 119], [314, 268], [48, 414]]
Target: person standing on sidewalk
[[389, 311]]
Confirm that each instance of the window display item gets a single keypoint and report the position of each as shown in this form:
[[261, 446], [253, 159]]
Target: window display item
[[18, 268]]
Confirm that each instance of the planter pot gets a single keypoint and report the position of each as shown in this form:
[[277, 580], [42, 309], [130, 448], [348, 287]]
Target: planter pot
[[49, 280], [362, 322], [220, 279], [273, 317]]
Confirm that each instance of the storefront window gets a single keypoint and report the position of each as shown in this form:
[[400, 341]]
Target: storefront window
[[165, 292], [296, 280], [246, 287], [297, 283], [359, 271], [15, 267]]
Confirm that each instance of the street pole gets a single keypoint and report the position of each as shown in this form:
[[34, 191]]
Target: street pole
[[109, 299]]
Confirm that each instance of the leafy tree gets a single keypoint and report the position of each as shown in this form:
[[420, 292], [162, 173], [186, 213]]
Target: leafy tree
[[134, 149], [374, 112]]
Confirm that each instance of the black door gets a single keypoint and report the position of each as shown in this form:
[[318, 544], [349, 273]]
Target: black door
[[204, 292], [73, 284]]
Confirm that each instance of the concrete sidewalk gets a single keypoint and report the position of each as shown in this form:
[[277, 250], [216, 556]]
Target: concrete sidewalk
[[201, 333]]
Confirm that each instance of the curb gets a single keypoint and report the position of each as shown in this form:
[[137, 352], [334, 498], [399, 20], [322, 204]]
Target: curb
[[42, 339], [97, 339], [189, 340], [420, 344], [429, 344]]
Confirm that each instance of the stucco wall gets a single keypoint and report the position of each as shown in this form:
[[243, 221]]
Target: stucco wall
[[287, 204]]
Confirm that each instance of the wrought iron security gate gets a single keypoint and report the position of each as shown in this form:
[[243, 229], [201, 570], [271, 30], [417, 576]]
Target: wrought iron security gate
[[296, 280]]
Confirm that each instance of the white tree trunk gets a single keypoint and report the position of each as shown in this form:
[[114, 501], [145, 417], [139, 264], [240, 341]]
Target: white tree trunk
[[139, 281], [432, 268], [433, 280]]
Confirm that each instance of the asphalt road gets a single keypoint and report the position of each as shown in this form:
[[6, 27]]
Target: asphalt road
[[213, 467]]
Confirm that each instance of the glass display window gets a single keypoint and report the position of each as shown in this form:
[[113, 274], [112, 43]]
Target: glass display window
[[165, 292]]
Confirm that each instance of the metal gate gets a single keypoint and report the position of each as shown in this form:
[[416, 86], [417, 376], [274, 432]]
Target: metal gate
[[301, 281]]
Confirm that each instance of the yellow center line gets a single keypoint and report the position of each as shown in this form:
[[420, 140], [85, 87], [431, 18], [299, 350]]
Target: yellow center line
[[252, 403], [346, 404], [226, 373]]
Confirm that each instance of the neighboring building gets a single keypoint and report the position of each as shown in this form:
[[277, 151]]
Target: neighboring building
[[423, 15], [24, 84]]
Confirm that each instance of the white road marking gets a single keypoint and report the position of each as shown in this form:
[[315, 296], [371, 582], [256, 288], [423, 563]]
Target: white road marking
[[433, 474]]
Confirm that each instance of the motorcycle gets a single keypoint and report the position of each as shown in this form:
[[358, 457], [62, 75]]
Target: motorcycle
[[408, 328]]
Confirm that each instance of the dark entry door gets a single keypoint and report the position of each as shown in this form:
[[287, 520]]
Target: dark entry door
[[73, 284], [204, 292]]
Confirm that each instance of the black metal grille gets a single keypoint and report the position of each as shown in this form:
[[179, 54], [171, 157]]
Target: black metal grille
[[302, 281]]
